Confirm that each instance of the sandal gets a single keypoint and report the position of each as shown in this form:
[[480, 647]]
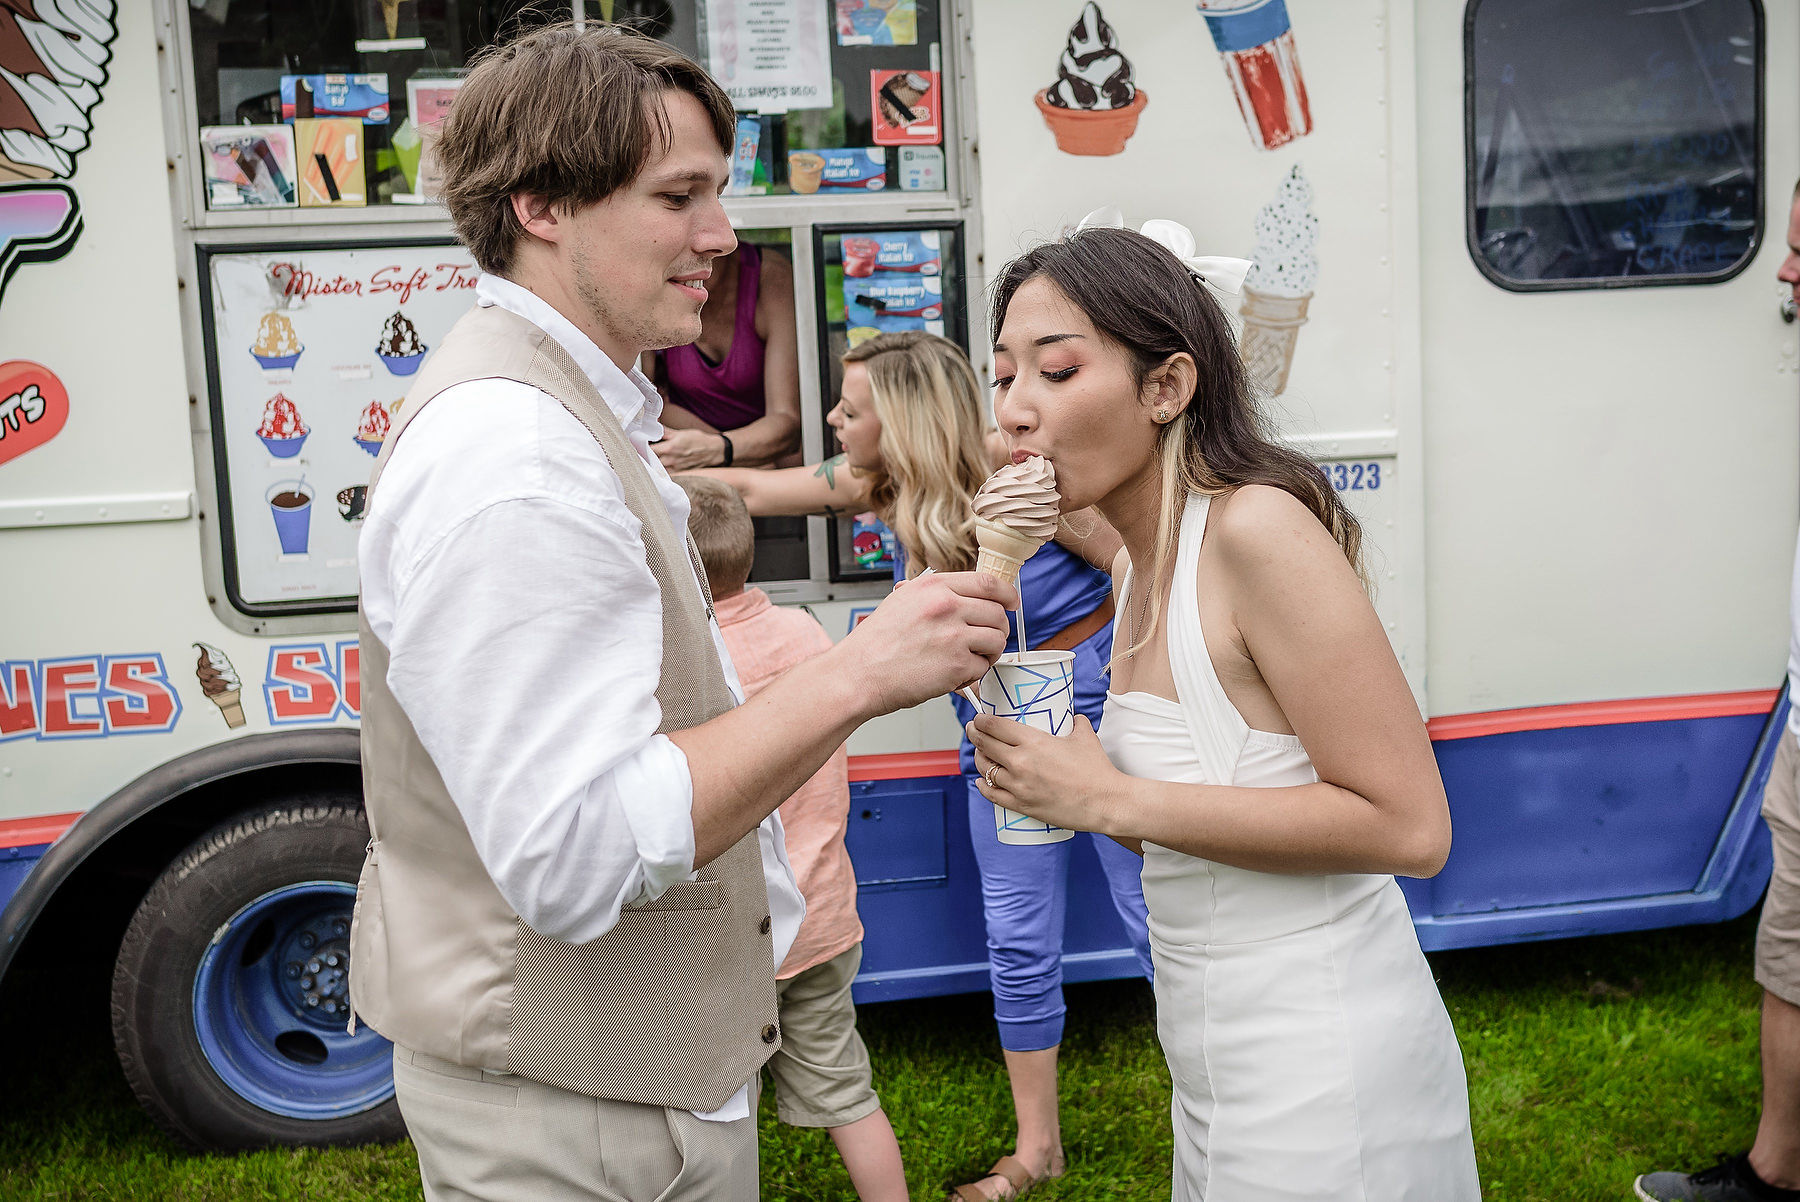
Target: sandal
[[1013, 1172]]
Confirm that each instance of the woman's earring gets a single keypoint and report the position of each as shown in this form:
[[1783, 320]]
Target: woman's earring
[[1162, 416]]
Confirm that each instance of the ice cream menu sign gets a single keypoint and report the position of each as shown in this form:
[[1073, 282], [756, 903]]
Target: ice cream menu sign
[[314, 350]]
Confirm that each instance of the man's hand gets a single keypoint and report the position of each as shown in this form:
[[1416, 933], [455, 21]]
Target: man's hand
[[683, 450], [939, 632]]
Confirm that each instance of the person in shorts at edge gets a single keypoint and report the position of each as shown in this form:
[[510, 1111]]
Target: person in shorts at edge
[[1770, 1170], [822, 1070], [576, 893]]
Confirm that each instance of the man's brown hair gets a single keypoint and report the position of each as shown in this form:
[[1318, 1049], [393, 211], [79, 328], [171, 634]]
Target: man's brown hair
[[722, 531], [569, 114]]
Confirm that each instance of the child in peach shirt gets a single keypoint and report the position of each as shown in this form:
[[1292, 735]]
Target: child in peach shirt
[[821, 1073]]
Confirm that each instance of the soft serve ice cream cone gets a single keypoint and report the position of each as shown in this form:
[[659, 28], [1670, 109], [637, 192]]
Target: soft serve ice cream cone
[[219, 681], [1015, 513], [1280, 284]]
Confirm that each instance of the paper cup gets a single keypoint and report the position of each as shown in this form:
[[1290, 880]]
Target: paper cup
[[1038, 689]]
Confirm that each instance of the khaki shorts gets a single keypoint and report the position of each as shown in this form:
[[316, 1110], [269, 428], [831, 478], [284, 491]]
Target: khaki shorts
[[822, 1070], [1778, 934]]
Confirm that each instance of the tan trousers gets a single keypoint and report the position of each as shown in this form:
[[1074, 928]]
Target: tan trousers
[[493, 1137]]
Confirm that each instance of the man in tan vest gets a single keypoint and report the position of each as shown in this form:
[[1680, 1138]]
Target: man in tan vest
[[576, 892]]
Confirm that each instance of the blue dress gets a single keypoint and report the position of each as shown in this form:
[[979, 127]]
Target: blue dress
[[1024, 888]]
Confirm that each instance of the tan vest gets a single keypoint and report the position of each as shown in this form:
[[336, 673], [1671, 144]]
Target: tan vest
[[675, 1006]]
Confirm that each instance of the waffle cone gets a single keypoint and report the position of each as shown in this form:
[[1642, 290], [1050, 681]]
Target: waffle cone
[[1271, 330], [230, 706]]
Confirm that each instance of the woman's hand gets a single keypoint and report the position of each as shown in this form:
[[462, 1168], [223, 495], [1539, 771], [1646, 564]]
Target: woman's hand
[[682, 450], [1065, 780]]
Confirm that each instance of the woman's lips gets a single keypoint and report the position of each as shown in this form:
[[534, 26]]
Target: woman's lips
[[1021, 455]]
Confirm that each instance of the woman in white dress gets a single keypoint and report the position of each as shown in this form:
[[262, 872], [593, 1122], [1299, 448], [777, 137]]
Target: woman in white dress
[[1262, 748]]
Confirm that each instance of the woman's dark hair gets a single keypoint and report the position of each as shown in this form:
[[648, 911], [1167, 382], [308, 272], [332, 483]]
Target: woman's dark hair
[[1139, 295]]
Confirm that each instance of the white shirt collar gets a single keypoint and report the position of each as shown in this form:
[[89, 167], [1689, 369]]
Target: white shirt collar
[[628, 394]]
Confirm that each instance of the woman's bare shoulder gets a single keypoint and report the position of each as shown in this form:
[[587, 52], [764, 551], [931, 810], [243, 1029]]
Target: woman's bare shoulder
[[1260, 526]]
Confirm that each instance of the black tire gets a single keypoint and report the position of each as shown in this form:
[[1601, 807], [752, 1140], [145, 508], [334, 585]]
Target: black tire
[[306, 839]]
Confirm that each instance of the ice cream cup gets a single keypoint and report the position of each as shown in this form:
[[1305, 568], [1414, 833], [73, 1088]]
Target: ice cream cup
[[283, 448], [404, 365], [1271, 329], [805, 170], [277, 362], [1092, 131], [371, 445], [1038, 689], [293, 523]]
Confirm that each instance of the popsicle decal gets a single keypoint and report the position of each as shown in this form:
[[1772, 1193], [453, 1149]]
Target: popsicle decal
[[53, 56], [1255, 41]]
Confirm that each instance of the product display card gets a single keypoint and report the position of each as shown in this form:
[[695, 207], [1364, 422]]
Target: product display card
[[364, 97], [248, 166], [907, 107], [769, 55], [330, 152], [877, 22], [315, 350]]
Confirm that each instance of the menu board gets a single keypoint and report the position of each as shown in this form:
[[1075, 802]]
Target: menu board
[[310, 351]]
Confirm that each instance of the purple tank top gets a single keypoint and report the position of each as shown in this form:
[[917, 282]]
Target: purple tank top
[[727, 394]]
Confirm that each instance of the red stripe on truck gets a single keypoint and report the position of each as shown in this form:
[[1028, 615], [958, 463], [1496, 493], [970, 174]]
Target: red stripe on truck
[[31, 832]]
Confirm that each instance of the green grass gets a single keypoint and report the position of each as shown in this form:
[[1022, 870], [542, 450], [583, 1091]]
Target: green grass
[[1589, 1061]]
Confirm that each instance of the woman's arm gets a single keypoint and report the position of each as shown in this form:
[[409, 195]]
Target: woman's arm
[[828, 489], [1312, 634], [680, 417]]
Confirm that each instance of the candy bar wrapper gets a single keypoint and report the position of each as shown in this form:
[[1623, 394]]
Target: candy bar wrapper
[[364, 97], [248, 166], [859, 168], [331, 162], [916, 251], [895, 302]]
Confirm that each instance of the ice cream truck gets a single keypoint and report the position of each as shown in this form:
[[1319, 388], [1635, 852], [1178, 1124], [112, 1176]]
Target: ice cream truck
[[1513, 291]]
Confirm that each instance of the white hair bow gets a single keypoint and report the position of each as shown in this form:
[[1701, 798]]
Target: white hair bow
[[1222, 272]]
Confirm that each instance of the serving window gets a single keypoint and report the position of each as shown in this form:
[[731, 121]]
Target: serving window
[[1613, 143]]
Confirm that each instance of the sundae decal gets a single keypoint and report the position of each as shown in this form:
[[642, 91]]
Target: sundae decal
[[352, 502], [281, 430], [1255, 41], [1280, 284], [277, 347], [53, 56], [400, 347], [372, 430], [86, 697], [219, 681], [1093, 107], [313, 682], [34, 406]]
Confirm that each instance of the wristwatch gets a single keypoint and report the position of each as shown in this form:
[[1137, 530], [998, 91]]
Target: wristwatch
[[726, 439]]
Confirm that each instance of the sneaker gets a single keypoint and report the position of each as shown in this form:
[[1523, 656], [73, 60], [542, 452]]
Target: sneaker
[[1731, 1180]]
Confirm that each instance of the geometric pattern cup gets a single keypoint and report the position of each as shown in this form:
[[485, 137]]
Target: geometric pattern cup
[[1038, 689]]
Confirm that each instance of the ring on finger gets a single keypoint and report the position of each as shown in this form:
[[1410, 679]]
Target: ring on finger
[[989, 775]]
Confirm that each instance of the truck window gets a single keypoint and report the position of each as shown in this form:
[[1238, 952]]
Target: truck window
[[1613, 143]]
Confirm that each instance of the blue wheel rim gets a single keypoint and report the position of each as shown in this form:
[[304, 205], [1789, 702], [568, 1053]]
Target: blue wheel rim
[[272, 1004]]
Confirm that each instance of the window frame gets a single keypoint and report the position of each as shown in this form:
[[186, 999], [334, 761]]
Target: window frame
[[1494, 276]]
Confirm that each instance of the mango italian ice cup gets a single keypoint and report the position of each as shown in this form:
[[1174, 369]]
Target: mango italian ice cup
[[282, 431]]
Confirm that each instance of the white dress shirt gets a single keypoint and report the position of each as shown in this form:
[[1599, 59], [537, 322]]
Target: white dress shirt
[[508, 581]]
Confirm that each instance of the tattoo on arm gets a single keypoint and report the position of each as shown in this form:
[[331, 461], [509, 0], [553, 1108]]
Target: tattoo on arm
[[829, 468]]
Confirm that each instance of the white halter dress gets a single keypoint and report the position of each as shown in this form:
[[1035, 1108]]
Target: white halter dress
[[1311, 1055]]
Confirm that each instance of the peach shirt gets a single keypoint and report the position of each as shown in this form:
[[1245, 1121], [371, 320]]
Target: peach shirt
[[766, 640]]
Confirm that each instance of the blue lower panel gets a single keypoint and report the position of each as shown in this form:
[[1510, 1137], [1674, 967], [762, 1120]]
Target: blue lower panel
[[1576, 831], [16, 864], [919, 894]]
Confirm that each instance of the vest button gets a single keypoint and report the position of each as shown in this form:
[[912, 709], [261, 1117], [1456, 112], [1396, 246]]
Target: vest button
[[765, 926], [768, 1033]]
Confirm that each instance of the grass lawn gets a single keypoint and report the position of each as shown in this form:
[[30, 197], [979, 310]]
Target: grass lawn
[[1589, 1061]]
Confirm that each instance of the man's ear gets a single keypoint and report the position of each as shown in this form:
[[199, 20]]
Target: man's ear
[[1170, 385], [537, 215]]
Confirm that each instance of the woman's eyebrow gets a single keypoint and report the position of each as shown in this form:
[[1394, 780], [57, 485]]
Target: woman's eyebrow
[[1046, 340]]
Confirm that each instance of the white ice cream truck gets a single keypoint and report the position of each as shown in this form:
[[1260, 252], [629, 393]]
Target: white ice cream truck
[[1514, 293]]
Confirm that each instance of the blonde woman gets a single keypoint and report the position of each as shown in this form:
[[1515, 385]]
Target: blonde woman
[[909, 418]]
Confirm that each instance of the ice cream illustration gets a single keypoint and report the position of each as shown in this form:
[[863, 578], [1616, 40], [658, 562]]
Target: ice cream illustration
[[53, 56], [390, 16], [1016, 512], [352, 502], [277, 347], [1255, 41], [898, 96], [400, 347], [290, 504], [1280, 285], [282, 431], [1093, 106], [372, 430], [219, 681]]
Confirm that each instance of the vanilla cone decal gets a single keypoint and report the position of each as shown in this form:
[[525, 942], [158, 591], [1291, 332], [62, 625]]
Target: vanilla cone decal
[[219, 681], [1016, 512], [53, 56]]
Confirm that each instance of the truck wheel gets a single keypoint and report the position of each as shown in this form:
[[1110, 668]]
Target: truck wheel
[[230, 998]]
